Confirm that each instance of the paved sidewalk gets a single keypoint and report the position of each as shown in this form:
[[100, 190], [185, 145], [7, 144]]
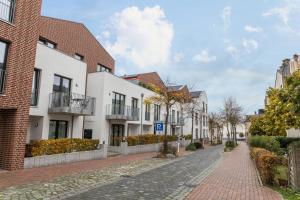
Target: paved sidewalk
[[45, 174], [235, 178]]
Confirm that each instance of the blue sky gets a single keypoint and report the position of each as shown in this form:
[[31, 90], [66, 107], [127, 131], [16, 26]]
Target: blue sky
[[228, 47]]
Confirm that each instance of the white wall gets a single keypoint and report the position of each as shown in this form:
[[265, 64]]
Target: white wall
[[239, 129], [50, 62]]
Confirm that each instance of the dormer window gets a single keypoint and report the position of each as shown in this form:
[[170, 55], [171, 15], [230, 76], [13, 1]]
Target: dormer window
[[78, 57], [102, 68], [47, 42]]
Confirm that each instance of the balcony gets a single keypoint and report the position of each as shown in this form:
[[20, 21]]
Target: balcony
[[71, 104], [122, 112], [2, 80], [7, 10]]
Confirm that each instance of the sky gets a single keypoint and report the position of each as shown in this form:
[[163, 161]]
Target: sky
[[225, 47]]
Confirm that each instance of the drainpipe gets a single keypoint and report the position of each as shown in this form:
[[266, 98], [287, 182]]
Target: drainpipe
[[142, 100]]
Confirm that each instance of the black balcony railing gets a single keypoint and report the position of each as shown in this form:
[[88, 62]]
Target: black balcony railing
[[2, 80], [71, 103], [34, 98], [119, 111], [7, 8]]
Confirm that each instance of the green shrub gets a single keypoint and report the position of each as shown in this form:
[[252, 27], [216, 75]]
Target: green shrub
[[198, 145], [191, 147], [149, 139], [267, 142], [285, 141], [266, 163], [67, 145], [188, 137], [230, 144]]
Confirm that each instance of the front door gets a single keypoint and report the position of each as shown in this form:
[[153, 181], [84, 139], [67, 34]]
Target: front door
[[117, 134]]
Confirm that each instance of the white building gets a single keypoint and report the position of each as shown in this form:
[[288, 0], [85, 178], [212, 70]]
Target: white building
[[241, 128], [200, 117], [58, 101], [121, 110]]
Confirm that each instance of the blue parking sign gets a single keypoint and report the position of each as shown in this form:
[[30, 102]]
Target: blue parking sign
[[159, 126]]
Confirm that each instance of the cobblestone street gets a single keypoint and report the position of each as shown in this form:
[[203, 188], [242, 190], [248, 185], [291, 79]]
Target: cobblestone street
[[171, 181]]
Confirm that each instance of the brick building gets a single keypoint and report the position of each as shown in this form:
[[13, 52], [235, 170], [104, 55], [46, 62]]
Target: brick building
[[18, 38]]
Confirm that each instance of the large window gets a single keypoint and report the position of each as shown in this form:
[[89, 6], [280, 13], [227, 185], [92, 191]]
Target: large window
[[61, 84], [147, 112], [196, 119], [58, 129], [102, 68], [35, 87], [3, 58], [118, 104], [7, 10], [156, 112], [178, 117]]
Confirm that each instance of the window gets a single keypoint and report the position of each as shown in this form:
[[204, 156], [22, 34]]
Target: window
[[203, 107], [78, 56], [3, 58], [88, 134], [118, 104], [47, 42], [173, 116], [147, 112], [197, 132], [156, 112], [206, 108], [178, 117], [134, 107], [7, 8], [196, 119], [102, 68], [61, 84], [35, 87], [58, 129]]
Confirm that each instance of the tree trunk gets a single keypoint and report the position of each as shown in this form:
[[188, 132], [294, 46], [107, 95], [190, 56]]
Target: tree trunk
[[192, 126], [166, 131], [228, 134]]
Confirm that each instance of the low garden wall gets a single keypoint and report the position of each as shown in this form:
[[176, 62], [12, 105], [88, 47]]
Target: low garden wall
[[124, 149], [56, 159]]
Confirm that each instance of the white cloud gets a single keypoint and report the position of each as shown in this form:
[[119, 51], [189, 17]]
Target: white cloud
[[178, 57], [249, 44], [226, 16], [232, 50], [204, 57], [106, 34], [143, 37], [288, 13], [252, 29]]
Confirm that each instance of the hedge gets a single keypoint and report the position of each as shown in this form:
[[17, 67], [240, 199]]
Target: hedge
[[58, 146], [286, 141], [267, 142], [148, 139], [266, 162]]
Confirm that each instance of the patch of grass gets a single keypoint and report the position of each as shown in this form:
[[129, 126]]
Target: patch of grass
[[287, 193], [281, 172]]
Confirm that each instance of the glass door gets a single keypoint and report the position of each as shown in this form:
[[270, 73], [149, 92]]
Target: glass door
[[117, 134]]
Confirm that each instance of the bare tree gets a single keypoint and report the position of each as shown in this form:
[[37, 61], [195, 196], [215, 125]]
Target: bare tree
[[167, 98], [232, 116]]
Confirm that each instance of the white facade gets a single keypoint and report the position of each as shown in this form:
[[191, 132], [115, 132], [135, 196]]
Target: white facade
[[51, 62], [103, 85], [241, 128], [200, 117]]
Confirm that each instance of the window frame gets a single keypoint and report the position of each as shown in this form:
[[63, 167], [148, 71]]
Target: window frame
[[36, 86], [2, 82], [57, 128], [12, 10]]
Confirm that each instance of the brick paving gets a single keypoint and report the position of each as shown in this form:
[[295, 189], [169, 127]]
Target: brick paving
[[235, 178], [45, 174]]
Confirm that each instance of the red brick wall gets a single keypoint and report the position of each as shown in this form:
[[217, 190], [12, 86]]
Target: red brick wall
[[72, 37], [15, 103]]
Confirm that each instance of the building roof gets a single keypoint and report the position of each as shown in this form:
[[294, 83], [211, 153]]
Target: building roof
[[175, 88], [196, 94], [74, 38], [152, 78]]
